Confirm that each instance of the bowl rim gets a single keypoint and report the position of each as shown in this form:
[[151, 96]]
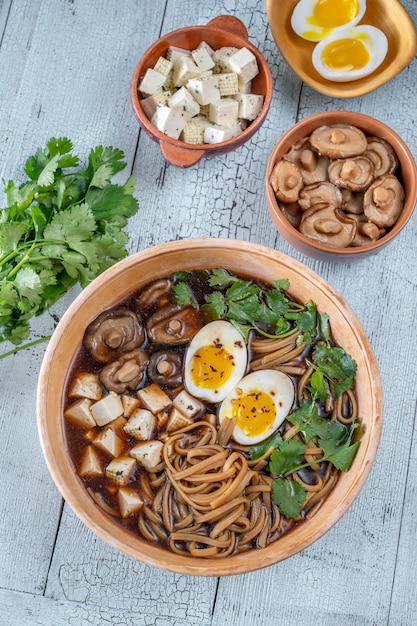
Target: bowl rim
[[364, 122], [74, 493], [175, 143]]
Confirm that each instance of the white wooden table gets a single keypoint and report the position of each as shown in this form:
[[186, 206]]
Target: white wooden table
[[65, 69]]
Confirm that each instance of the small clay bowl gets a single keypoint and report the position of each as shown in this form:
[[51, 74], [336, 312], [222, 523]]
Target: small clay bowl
[[246, 259], [406, 172], [224, 30]]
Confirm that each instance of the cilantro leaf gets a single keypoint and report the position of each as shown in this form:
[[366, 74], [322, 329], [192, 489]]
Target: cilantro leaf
[[182, 295], [289, 496], [288, 456], [258, 450]]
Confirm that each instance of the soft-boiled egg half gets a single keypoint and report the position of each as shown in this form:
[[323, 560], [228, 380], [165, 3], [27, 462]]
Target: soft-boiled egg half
[[215, 361], [259, 403], [350, 54], [315, 19]]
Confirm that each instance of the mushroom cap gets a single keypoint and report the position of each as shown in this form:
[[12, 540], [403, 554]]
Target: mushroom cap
[[313, 166], [327, 225], [320, 192], [352, 201], [286, 181], [384, 200], [382, 155], [155, 295], [112, 333], [165, 368], [339, 141], [292, 212], [173, 324], [355, 173], [125, 373], [366, 231]]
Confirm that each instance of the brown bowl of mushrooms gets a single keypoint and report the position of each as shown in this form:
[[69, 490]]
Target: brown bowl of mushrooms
[[340, 185]]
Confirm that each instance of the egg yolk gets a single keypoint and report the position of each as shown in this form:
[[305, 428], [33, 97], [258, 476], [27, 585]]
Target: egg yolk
[[254, 412], [329, 14], [211, 366], [345, 55]]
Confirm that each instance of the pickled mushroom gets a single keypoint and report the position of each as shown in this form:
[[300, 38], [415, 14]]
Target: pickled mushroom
[[173, 324], [313, 166], [355, 174], [339, 141], [125, 373], [382, 155], [320, 192], [112, 333], [327, 225], [286, 181], [155, 296], [366, 231], [165, 368], [384, 200]]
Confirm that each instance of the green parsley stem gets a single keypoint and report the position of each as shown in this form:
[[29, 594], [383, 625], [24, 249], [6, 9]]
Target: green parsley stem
[[24, 346]]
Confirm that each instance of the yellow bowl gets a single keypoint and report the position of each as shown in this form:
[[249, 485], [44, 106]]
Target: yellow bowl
[[387, 15], [136, 271]]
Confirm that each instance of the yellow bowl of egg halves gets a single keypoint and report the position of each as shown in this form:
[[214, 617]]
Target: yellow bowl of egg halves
[[343, 48]]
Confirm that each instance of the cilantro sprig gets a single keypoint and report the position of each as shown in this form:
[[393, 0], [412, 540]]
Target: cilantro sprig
[[63, 225], [250, 307]]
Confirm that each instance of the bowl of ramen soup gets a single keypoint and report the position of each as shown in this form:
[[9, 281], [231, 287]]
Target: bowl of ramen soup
[[209, 406], [340, 185], [201, 91]]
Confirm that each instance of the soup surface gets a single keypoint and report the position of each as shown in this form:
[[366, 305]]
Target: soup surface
[[209, 413]]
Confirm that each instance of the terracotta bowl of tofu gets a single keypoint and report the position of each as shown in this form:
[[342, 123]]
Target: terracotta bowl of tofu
[[149, 463], [340, 186], [201, 90]]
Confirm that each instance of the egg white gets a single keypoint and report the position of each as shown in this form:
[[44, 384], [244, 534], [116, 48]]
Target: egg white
[[302, 16], [277, 385], [372, 38], [219, 332]]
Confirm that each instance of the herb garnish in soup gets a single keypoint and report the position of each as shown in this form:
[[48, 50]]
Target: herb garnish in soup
[[209, 414]]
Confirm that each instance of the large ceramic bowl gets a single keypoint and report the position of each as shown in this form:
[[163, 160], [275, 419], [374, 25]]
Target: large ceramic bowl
[[224, 30], [137, 270], [406, 172]]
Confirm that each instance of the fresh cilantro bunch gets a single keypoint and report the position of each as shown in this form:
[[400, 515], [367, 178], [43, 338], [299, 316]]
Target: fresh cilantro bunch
[[249, 307], [62, 226]]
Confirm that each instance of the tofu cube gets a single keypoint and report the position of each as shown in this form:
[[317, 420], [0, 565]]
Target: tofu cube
[[225, 112], [221, 59], [183, 104], [129, 501], [130, 403], [168, 122], [244, 63], [140, 424], [174, 53], [203, 44], [205, 89], [250, 105], [148, 454], [154, 398], [150, 103], [177, 420], [203, 60], [188, 405], [108, 442], [107, 409], [86, 385], [217, 134], [163, 66], [228, 84], [184, 69], [80, 414], [90, 465], [152, 82], [119, 470]]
